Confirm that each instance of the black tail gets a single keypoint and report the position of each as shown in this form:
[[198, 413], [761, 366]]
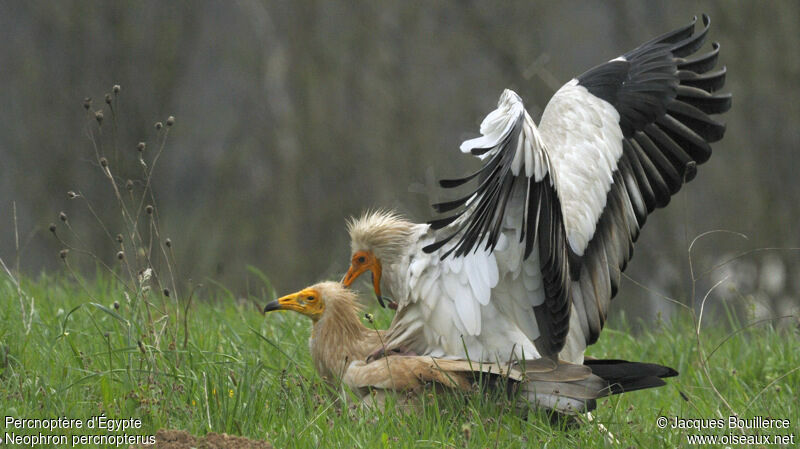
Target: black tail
[[623, 376]]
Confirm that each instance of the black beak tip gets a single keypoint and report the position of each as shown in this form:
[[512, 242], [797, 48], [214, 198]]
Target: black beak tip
[[272, 306]]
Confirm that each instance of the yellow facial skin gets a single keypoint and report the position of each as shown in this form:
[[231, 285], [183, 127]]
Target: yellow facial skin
[[306, 302], [364, 261]]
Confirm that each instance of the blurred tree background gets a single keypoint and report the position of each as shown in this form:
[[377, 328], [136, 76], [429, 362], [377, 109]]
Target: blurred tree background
[[293, 115]]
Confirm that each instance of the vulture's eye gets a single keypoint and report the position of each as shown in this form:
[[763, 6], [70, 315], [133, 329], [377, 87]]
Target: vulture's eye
[[310, 298], [361, 259]]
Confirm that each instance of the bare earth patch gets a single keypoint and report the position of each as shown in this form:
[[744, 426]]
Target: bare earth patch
[[179, 439]]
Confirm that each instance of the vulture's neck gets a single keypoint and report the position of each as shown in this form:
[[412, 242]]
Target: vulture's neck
[[339, 338], [395, 260]]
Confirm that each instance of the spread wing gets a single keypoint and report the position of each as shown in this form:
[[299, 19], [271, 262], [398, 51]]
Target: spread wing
[[612, 145], [516, 181], [623, 138]]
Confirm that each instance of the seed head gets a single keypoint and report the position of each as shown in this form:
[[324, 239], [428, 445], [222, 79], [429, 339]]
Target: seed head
[[116, 88], [87, 103], [72, 195], [170, 120], [63, 253], [108, 98], [99, 117], [129, 185], [106, 334], [168, 242], [116, 305], [149, 209], [120, 255], [62, 216], [104, 162], [159, 125], [466, 429], [52, 228], [140, 146], [166, 292], [119, 238]]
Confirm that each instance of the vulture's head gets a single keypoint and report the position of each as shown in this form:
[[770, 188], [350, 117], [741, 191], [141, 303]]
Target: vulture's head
[[377, 239], [316, 300]]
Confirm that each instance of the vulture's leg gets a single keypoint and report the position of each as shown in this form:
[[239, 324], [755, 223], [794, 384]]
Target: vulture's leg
[[382, 352]]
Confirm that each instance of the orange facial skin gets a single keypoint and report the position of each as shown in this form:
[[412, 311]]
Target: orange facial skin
[[306, 302], [365, 261]]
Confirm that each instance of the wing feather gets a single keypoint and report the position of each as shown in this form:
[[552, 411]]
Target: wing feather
[[662, 97], [516, 176]]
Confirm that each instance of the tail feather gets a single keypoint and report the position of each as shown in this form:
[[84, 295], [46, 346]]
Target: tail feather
[[577, 394], [623, 376]]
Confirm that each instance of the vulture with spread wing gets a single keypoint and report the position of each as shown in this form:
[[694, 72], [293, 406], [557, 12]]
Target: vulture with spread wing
[[527, 262]]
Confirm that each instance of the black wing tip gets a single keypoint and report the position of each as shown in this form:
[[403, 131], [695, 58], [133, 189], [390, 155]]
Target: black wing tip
[[450, 183], [430, 248], [689, 171], [669, 372], [447, 206], [704, 18], [442, 222], [726, 101]]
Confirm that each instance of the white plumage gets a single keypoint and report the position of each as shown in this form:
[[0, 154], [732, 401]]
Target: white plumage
[[586, 141], [527, 264]]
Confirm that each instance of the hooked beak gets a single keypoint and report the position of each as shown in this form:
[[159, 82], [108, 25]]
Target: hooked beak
[[375, 268], [353, 274], [288, 302], [274, 305]]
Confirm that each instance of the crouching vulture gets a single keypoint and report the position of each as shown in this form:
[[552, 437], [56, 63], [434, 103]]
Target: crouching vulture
[[527, 262], [341, 344]]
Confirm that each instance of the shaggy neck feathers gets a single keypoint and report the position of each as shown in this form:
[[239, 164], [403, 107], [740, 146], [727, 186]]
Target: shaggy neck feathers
[[385, 233], [339, 337]]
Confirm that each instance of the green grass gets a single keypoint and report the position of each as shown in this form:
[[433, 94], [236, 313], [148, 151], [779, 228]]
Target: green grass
[[246, 374]]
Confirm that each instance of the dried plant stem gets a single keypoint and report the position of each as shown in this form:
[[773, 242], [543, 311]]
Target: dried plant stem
[[107, 172], [149, 174], [769, 385], [16, 237], [742, 329], [186, 320], [383, 346], [169, 263], [96, 259], [702, 357], [698, 319], [27, 318], [140, 268]]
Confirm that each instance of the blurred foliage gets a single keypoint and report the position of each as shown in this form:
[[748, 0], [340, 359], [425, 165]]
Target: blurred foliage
[[295, 115]]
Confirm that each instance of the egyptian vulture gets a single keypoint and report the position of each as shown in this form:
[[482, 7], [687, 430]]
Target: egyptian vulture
[[527, 262], [341, 344]]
